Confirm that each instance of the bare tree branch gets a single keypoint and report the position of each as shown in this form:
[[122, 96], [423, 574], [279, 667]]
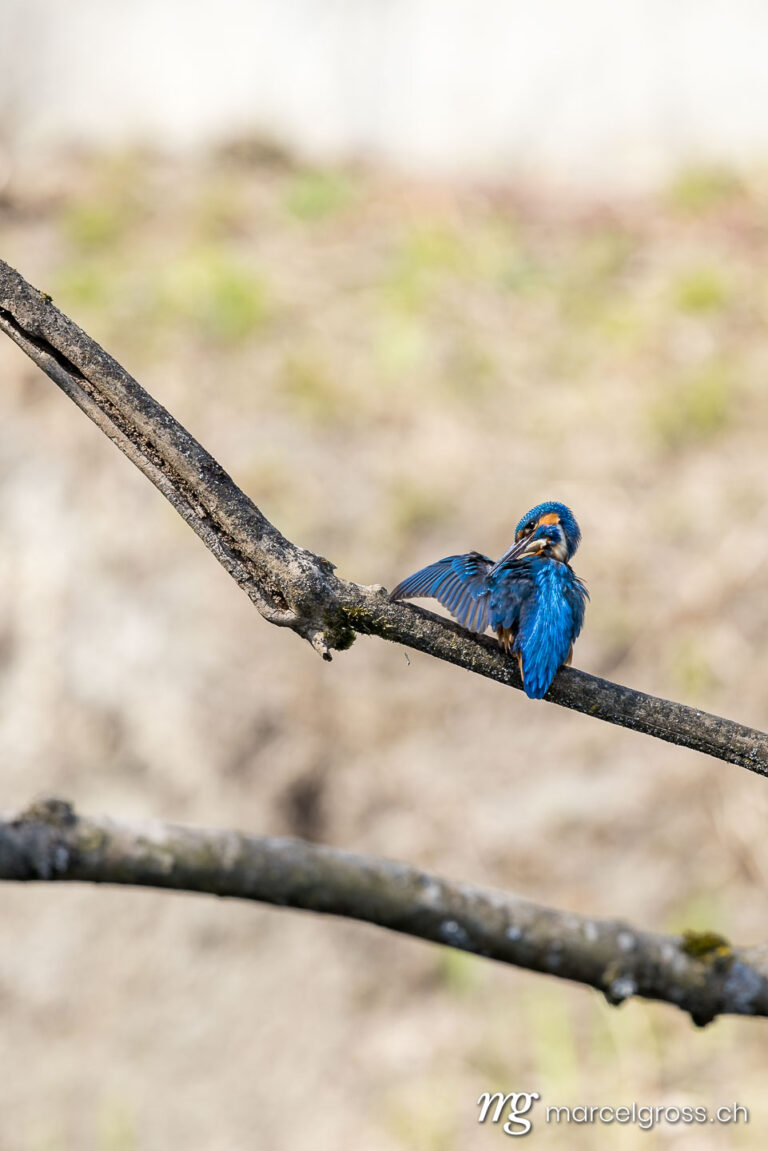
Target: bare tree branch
[[289, 585], [701, 974]]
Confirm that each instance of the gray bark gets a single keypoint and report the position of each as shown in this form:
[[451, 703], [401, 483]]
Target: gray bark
[[701, 974]]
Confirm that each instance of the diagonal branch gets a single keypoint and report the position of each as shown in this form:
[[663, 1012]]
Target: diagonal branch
[[701, 974], [289, 585]]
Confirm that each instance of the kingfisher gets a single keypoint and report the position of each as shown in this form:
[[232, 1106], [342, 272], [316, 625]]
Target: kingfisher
[[531, 597]]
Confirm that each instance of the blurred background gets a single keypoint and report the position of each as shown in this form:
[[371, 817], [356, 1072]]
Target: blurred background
[[406, 270]]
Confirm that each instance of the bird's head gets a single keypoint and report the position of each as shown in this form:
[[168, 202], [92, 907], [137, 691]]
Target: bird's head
[[549, 527]]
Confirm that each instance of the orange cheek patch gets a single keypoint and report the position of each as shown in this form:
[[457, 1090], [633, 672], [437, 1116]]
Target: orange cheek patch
[[550, 518]]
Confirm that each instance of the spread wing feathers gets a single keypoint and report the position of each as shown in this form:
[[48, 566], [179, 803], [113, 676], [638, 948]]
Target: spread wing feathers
[[459, 583], [510, 592]]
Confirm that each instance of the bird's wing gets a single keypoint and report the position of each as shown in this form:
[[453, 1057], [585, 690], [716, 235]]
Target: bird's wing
[[512, 586], [459, 583], [577, 595]]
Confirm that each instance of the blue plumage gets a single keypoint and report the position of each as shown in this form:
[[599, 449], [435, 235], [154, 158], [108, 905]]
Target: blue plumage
[[531, 597]]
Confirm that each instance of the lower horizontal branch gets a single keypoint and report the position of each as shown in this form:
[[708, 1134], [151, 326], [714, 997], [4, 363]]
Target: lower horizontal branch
[[701, 974]]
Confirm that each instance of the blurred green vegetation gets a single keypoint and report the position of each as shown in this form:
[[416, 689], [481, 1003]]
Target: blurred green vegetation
[[424, 1123], [116, 1127], [691, 667], [425, 260], [416, 507], [465, 300], [697, 407], [701, 290], [702, 189], [698, 911], [212, 290], [316, 195], [110, 207], [312, 392], [459, 973], [551, 1026]]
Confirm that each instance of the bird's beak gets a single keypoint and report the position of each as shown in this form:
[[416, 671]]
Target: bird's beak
[[532, 547], [524, 547]]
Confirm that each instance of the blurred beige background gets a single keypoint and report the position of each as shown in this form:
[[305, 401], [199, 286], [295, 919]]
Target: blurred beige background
[[395, 364]]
